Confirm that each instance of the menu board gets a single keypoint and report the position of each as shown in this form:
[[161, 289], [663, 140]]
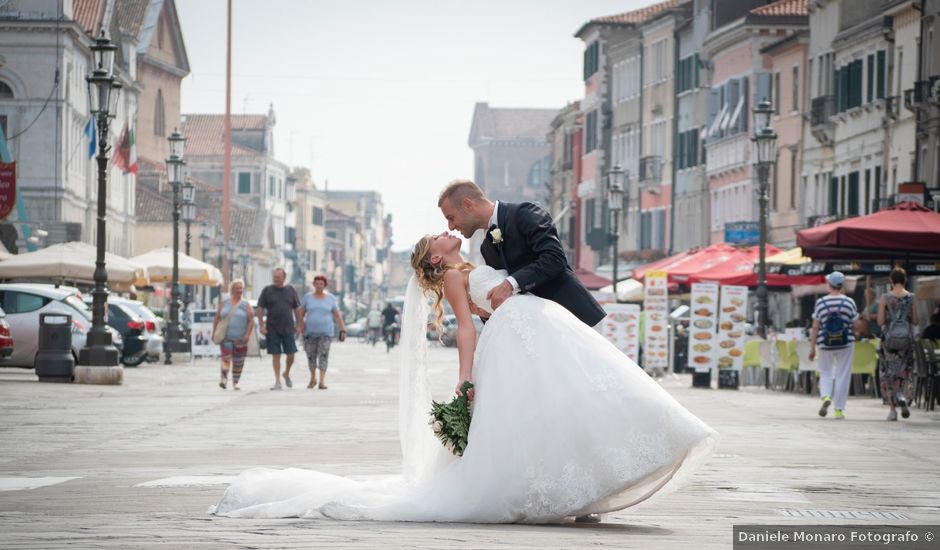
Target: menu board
[[656, 307], [622, 328], [703, 321], [201, 333], [731, 319]]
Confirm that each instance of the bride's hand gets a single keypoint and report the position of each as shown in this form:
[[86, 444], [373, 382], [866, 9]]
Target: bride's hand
[[458, 391]]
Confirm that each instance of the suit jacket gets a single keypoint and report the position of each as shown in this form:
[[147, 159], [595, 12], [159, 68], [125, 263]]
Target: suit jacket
[[531, 252]]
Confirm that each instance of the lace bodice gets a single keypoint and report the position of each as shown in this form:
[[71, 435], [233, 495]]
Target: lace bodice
[[482, 279]]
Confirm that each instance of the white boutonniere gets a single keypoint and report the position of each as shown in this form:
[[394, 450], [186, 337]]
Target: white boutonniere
[[496, 235]]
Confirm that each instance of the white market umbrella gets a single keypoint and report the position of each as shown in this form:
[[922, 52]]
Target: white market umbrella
[[628, 290], [71, 261], [159, 264]]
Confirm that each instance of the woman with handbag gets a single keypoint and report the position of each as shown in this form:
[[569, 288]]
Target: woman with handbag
[[232, 329], [897, 316]]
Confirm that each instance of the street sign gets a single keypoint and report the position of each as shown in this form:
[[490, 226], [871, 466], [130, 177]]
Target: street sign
[[7, 188], [742, 233]]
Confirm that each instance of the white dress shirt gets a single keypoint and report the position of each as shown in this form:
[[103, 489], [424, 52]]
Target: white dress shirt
[[493, 221]]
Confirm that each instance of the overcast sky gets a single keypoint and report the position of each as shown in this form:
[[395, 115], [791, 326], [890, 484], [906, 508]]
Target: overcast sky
[[379, 94]]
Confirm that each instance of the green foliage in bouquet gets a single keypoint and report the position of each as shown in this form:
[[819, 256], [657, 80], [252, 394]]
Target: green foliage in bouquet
[[451, 421]]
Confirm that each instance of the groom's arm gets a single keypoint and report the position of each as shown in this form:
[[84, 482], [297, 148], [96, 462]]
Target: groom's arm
[[540, 234]]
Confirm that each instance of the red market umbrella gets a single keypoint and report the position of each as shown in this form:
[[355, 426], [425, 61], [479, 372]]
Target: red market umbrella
[[907, 229], [739, 269], [682, 267], [591, 280]]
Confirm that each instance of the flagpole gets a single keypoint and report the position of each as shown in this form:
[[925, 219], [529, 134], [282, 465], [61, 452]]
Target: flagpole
[[227, 179]]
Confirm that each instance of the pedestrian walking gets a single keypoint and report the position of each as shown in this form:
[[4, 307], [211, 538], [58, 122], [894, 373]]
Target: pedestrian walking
[[234, 316], [374, 323], [833, 318], [897, 317], [321, 316], [281, 324]]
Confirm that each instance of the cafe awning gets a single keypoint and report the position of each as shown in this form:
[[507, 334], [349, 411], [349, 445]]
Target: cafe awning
[[907, 230]]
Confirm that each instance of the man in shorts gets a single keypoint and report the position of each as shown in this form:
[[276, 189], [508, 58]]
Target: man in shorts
[[284, 321]]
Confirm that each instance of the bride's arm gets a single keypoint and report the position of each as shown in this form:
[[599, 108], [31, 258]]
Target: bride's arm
[[455, 290]]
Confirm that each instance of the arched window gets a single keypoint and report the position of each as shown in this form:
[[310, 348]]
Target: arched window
[[5, 91], [159, 116]]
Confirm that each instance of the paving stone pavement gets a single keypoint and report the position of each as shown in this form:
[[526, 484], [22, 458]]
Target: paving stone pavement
[[137, 466]]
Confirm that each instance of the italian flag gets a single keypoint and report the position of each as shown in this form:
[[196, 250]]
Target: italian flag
[[132, 163]]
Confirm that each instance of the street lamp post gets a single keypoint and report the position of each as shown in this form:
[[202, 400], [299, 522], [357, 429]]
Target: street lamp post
[[244, 257], [189, 216], [204, 246], [175, 162], [765, 152], [103, 92], [615, 205], [230, 254]]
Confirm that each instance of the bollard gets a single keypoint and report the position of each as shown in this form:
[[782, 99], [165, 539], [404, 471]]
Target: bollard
[[54, 359]]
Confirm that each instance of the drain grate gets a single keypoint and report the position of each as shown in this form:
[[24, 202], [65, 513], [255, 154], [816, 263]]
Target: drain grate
[[841, 514]]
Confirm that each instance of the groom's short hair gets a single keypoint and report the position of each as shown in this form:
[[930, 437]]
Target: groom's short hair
[[457, 190]]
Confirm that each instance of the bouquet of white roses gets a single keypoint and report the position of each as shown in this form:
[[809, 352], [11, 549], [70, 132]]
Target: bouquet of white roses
[[451, 421]]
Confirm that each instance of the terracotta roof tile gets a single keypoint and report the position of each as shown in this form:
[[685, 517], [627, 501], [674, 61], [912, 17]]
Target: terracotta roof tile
[[130, 15], [87, 13], [783, 8], [204, 134], [637, 16]]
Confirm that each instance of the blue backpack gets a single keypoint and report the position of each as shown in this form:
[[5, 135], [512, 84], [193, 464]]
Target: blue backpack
[[836, 329]]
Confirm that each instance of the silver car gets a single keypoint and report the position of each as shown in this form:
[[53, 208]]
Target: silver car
[[25, 302]]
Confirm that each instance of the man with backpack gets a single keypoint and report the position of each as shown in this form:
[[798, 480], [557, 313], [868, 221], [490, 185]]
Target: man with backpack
[[832, 333]]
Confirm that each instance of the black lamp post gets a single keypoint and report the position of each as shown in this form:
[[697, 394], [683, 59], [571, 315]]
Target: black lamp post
[[765, 153], [230, 254], [103, 93], [204, 246], [189, 216], [615, 205], [244, 257], [175, 162]]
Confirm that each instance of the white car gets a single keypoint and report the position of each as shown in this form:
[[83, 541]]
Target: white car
[[25, 302]]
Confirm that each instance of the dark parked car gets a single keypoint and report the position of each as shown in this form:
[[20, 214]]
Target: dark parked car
[[449, 328], [134, 331]]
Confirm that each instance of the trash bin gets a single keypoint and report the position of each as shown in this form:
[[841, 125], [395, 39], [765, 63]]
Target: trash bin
[[54, 359]]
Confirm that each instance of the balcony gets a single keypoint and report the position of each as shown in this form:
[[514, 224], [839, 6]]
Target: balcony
[[651, 172], [821, 109], [915, 99], [893, 106]]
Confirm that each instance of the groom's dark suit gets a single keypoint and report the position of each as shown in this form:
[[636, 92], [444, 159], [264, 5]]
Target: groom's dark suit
[[531, 252]]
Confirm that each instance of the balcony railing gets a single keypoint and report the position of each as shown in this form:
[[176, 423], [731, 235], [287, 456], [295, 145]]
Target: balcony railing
[[893, 106], [916, 98], [821, 108], [651, 170]]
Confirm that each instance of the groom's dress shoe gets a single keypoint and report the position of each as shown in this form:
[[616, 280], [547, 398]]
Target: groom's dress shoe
[[589, 518]]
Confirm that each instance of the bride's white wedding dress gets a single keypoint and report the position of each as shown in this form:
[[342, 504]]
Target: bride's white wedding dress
[[563, 424]]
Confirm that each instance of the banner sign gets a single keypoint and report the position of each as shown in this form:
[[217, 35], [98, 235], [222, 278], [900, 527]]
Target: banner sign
[[201, 328], [7, 188], [622, 328], [656, 308], [742, 233], [731, 327], [703, 321]]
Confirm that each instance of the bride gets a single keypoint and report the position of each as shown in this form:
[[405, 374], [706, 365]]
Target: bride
[[563, 423]]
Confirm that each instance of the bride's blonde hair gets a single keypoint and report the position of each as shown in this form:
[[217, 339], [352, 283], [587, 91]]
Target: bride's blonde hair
[[430, 276]]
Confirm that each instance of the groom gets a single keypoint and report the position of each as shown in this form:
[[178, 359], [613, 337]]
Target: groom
[[522, 239]]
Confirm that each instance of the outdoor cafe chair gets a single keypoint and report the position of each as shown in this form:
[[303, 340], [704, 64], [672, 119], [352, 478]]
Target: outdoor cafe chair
[[864, 361], [783, 369], [767, 360], [926, 375], [752, 373]]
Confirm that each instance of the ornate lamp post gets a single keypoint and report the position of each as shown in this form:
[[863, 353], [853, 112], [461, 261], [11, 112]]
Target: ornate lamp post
[[174, 164], [230, 254], [189, 216], [103, 93], [204, 246], [244, 257], [615, 205], [765, 153]]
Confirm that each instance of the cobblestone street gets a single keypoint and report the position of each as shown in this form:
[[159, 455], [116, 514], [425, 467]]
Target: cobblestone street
[[138, 465]]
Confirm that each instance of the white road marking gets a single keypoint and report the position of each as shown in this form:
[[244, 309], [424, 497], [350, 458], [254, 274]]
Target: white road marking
[[188, 481], [27, 483]]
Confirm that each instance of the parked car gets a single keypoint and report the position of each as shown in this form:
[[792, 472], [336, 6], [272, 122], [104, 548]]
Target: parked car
[[449, 328], [6, 341], [25, 302], [359, 328], [138, 326]]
